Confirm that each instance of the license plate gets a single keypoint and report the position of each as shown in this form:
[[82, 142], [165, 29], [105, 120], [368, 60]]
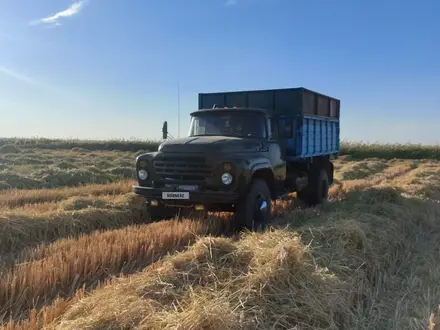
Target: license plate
[[175, 195]]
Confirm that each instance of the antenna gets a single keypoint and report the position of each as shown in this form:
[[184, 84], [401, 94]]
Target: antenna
[[178, 109]]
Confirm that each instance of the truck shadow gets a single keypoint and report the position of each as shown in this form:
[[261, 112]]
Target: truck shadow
[[223, 224]]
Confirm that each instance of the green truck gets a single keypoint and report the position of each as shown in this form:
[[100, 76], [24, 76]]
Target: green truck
[[244, 150]]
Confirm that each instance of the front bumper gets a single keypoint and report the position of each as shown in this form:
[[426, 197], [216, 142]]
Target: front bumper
[[202, 197]]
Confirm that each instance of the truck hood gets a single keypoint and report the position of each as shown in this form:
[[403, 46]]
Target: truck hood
[[211, 144]]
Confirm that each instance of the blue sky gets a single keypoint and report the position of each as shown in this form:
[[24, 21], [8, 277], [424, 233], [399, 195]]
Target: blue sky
[[109, 68]]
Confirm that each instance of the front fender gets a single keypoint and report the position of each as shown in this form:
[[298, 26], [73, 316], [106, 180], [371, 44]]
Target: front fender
[[246, 167], [259, 164], [253, 166], [256, 164], [146, 156]]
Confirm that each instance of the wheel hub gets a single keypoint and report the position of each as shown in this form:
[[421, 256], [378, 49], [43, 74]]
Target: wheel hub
[[261, 208]]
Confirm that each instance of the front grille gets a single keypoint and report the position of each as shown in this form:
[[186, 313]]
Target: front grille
[[183, 168]]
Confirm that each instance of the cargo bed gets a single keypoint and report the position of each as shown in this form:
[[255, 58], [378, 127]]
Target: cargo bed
[[291, 101], [314, 116]]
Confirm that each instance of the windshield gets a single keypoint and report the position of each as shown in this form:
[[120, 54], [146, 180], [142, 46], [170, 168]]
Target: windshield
[[228, 124]]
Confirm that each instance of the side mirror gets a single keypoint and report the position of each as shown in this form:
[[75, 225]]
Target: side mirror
[[165, 130]]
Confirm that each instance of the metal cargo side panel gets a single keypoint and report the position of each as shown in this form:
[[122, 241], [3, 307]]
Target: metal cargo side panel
[[334, 111], [309, 103], [220, 100], [323, 106], [207, 101], [238, 99], [320, 136], [261, 99], [288, 101]]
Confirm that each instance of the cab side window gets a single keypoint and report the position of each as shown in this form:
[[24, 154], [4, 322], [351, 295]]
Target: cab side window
[[274, 128], [288, 129]]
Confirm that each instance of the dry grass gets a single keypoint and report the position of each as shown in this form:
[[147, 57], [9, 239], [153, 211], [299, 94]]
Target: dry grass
[[366, 260], [62, 268], [87, 145], [17, 198], [349, 271], [20, 230], [9, 149], [357, 150], [40, 168]]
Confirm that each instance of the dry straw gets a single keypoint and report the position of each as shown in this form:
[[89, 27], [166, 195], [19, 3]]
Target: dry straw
[[367, 260]]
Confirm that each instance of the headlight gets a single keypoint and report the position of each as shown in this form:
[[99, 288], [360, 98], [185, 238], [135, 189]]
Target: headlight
[[227, 178], [143, 174]]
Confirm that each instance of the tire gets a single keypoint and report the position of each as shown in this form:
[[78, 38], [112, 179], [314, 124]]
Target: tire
[[254, 213], [316, 191], [320, 193], [331, 173]]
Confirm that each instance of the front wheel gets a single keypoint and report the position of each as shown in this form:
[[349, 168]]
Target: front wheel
[[254, 213]]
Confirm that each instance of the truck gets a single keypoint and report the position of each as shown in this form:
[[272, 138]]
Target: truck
[[244, 150]]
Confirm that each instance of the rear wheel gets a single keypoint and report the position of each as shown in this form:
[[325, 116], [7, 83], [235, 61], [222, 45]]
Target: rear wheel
[[254, 213], [316, 191]]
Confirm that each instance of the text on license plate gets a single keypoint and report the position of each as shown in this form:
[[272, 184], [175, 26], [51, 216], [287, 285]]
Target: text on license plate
[[175, 195]]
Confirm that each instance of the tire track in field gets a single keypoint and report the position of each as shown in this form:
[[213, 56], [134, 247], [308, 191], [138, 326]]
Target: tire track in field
[[388, 177], [60, 269], [20, 311]]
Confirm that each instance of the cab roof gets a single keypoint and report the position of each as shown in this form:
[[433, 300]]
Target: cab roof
[[234, 109]]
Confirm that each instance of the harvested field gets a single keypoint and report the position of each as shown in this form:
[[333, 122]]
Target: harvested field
[[83, 257], [47, 168], [353, 149]]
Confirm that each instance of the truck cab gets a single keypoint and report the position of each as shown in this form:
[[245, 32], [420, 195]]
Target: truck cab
[[235, 158]]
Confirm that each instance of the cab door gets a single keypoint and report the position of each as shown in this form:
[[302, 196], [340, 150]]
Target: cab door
[[286, 131], [277, 159]]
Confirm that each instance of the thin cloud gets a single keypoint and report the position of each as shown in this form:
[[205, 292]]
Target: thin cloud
[[74, 9], [43, 85], [17, 75]]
